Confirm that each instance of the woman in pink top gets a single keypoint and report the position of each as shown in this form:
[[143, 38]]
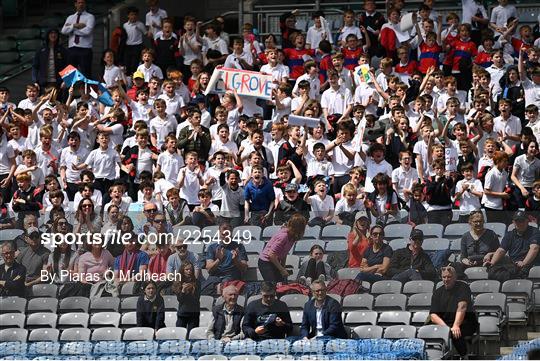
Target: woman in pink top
[[272, 260], [94, 264]]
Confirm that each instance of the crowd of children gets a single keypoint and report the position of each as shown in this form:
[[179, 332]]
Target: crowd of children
[[442, 117]]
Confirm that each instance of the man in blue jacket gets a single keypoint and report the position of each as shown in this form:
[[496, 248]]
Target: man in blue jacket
[[322, 315]]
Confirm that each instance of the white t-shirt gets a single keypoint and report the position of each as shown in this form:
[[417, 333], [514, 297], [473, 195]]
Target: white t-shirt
[[340, 162], [278, 72], [469, 202], [189, 191], [372, 169], [404, 179], [321, 207], [343, 206], [336, 101], [170, 164], [495, 181], [512, 126], [315, 167], [532, 92], [315, 35], [233, 62], [162, 127]]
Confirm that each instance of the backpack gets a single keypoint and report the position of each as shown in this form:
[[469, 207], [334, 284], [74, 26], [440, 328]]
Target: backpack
[[343, 287]]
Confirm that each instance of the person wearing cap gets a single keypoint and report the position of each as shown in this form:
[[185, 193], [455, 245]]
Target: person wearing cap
[[452, 306], [138, 84], [33, 257], [518, 251], [290, 204], [412, 263], [12, 273]]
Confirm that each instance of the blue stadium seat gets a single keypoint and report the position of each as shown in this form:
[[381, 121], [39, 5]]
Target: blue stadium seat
[[237, 347]]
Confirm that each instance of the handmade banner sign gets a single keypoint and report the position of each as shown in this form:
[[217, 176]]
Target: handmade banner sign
[[246, 83]]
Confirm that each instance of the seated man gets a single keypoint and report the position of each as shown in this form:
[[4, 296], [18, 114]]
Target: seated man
[[268, 317], [33, 257], [12, 274], [517, 253], [226, 259], [412, 263], [227, 318], [175, 260], [451, 305], [322, 315]]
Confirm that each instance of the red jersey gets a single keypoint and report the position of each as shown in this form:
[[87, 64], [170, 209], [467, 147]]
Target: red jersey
[[324, 65], [388, 39], [294, 59], [462, 50], [351, 57], [408, 68], [191, 83], [483, 59], [517, 43], [429, 56], [449, 54]]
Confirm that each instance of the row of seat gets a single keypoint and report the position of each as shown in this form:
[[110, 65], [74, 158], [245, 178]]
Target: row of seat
[[135, 345]]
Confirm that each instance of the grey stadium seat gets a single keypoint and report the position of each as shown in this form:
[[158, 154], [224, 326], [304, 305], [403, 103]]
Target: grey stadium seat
[[387, 286], [312, 232], [335, 231], [254, 232], [518, 298], [75, 334], [213, 357], [420, 318], [436, 244], [456, 230], [41, 320], [44, 290], [498, 228], [139, 334], [13, 335], [399, 331], [129, 304], [398, 243], [268, 232], [431, 230], [476, 273], [127, 289], [205, 318], [105, 319], [422, 286], [296, 317], [12, 304], [389, 302], [170, 319], [492, 311], [390, 318], [362, 301], [171, 303], [336, 245], [73, 319], [104, 304], [303, 247], [44, 334], [367, 332], [397, 231], [254, 247], [107, 334], [419, 302], [437, 340], [347, 273], [171, 333], [74, 304], [12, 320], [197, 333], [128, 320], [295, 301], [485, 286], [207, 302], [42, 304], [359, 318]]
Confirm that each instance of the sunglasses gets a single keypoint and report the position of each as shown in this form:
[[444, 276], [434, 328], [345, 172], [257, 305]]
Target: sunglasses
[[62, 223], [87, 205], [159, 220], [181, 247], [152, 210]]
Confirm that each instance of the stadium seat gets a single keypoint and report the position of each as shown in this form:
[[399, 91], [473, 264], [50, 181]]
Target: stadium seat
[[43, 290], [12, 304], [170, 319], [73, 319], [421, 286], [171, 303], [197, 333], [335, 231], [245, 357], [420, 318], [206, 347], [456, 230], [492, 314], [74, 304], [254, 247], [302, 347], [386, 286], [105, 319], [107, 334], [293, 260], [303, 247], [207, 302], [348, 273], [174, 347], [210, 232], [138, 334], [476, 273], [335, 297], [241, 300], [171, 333], [12, 320], [419, 302], [205, 318], [295, 301], [354, 302], [81, 349], [435, 244], [390, 302], [105, 304], [75, 334], [44, 334], [336, 245], [247, 232], [399, 331], [110, 350], [268, 232], [437, 340], [129, 304], [296, 317], [9, 234], [44, 350], [313, 232], [213, 357], [518, 297], [485, 286], [253, 298], [42, 304], [360, 318], [13, 335], [237, 347], [341, 346], [127, 289], [498, 228], [391, 318], [367, 332], [128, 320], [431, 230], [397, 231], [273, 347], [398, 243], [41, 320]]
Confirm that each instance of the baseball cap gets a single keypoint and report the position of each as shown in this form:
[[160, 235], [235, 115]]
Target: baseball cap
[[138, 74], [520, 216], [291, 187], [417, 235]]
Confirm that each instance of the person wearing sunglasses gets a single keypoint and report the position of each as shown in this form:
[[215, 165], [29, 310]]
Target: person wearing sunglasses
[[376, 257], [182, 255], [86, 217]]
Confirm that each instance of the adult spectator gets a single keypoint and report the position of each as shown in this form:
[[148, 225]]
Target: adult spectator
[[477, 245], [12, 273], [451, 305], [518, 251], [267, 317], [187, 291], [92, 267], [49, 61], [274, 254], [33, 257], [80, 29], [182, 255], [194, 136], [63, 257], [376, 257], [357, 242], [30, 221], [158, 263], [226, 259], [226, 324], [412, 263], [150, 308], [131, 262], [314, 268], [86, 217], [322, 315]]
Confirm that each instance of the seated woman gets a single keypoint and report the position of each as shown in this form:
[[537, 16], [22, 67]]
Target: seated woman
[[150, 308], [376, 258], [315, 268]]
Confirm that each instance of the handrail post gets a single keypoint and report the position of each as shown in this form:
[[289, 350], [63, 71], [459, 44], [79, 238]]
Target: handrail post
[[240, 15]]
